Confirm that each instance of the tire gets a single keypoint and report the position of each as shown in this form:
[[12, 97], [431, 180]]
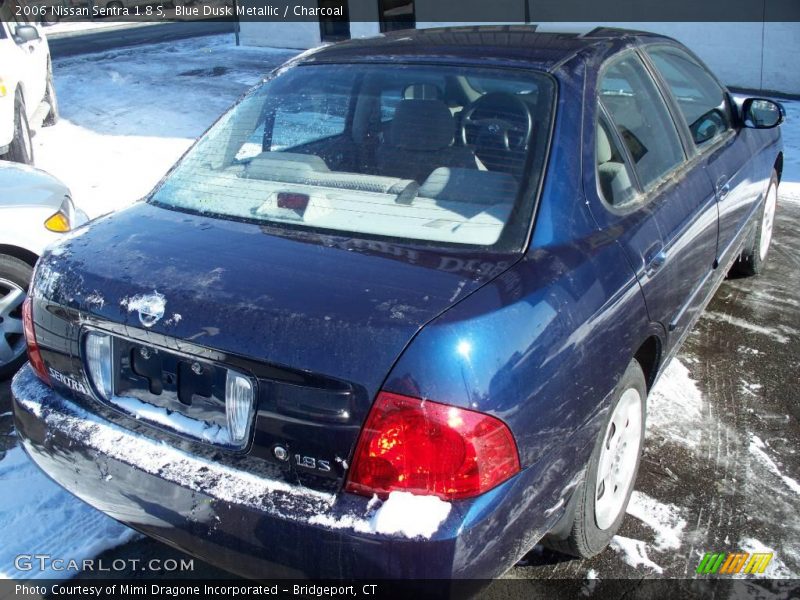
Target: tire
[[595, 519], [51, 98], [21, 148], [752, 260], [15, 276]]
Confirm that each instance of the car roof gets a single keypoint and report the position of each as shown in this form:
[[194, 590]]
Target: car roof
[[510, 45]]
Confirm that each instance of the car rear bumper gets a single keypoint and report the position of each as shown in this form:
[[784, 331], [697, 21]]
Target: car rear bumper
[[255, 527]]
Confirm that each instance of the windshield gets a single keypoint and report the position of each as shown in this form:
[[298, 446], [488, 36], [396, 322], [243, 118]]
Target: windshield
[[407, 152]]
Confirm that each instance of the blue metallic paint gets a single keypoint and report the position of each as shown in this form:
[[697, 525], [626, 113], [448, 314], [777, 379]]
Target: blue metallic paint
[[538, 339]]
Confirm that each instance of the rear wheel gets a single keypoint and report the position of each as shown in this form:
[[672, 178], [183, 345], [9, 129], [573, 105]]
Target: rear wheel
[[21, 148], [754, 255], [15, 276], [598, 508]]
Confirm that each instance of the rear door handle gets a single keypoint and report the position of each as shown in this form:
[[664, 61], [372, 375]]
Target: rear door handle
[[655, 262], [723, 187]]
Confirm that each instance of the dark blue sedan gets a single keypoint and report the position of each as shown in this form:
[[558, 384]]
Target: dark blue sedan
[[397, 313]]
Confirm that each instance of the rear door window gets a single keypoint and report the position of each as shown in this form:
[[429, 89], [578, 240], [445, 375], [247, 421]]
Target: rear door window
[[614, 179], [702, 101], [641, 117]]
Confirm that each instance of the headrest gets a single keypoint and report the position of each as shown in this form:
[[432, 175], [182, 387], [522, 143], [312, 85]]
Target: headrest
[[422, 91], [603, 146], [422, 125], [469, 185]]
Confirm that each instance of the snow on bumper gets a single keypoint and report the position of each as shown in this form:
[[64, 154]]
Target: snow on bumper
[[244, 523]]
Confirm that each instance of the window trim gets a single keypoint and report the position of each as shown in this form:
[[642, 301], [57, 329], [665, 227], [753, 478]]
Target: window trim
[[638, 196], [667, 179], [692, 148]]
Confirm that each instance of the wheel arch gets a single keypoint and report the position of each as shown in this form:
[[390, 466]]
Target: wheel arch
[[21, 253], [649, 357]]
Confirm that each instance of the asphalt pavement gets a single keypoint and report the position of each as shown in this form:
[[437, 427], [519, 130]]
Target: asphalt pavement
[[733, 486]]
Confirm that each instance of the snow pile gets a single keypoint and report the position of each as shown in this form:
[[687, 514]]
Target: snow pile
[[665, 519], [675, 406], [410, 515], [402, 513], [39, 516], [634, 552]]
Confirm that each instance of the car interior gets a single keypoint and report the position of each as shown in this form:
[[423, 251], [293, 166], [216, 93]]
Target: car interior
[[351, 147]]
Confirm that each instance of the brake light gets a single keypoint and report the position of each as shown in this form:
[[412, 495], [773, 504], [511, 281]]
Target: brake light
[[293, 201], [34, 354], [430, 449]]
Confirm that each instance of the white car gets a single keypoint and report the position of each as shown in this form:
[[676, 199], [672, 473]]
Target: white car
[[27, 95], [35, 211]]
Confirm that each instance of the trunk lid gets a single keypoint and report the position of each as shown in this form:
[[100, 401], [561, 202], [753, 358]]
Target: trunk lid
[[318, 320]]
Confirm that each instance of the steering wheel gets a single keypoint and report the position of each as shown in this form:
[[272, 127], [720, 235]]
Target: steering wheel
[[497, 123]]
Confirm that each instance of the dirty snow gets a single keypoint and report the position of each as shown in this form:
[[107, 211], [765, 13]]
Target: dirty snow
[[759, 450], [675, 407], [39, 516], [775, 333], [634, 552], [666, 520], [401, 513]]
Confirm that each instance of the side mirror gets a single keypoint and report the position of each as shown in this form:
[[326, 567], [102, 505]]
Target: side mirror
[[25, 33], [760, 113]]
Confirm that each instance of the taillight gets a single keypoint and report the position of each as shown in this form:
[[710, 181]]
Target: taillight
[[98, 363], [34, 354], [293, 201], [430, 449]]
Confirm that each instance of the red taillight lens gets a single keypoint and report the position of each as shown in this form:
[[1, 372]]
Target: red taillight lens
[[34, 355], [430, 449], [293, 201]]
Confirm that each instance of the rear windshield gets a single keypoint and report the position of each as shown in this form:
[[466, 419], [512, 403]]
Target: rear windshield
[[423, 153]]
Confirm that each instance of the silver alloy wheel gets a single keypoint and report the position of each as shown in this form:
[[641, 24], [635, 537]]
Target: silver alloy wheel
[[618, 458], [12, 339], [768, 221]]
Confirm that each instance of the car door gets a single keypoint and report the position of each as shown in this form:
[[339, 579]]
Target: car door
[[723, 150], [657, 203]]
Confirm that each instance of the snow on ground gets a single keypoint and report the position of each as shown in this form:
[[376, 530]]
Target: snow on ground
[[634, 552], [127, 115], [37, 516], [790, 183], [776, 568], [666, 520], [675, 406], [759, 450]]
